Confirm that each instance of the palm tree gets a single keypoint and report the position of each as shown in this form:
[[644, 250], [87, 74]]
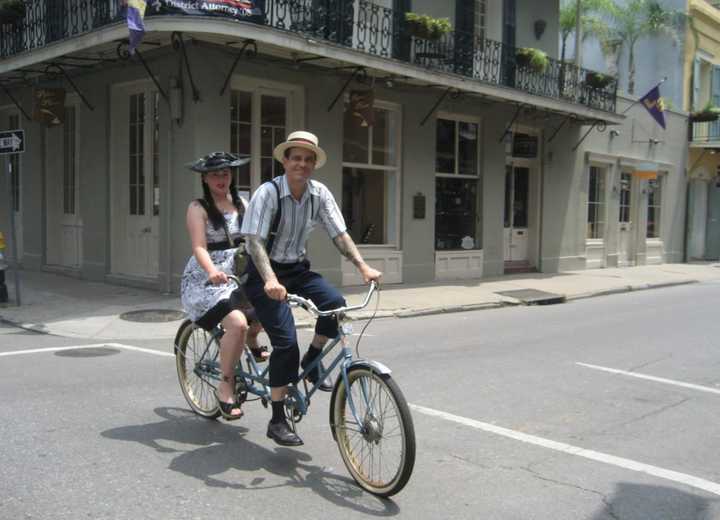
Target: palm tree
[[592, 26], [632, 20]]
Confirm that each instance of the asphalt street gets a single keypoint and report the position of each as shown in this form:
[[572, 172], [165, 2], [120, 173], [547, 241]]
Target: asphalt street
[[595, 409]]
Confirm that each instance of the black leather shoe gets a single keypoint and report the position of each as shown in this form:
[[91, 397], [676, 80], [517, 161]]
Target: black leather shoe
[[283, 435], [313, 375]]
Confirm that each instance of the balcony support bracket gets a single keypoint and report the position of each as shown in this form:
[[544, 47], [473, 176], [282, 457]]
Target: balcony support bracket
[[15, 101], [124, 54], [248, 49], [360, 73], [452, 92], [62, 71], [179, 44], [510, 124], [560, 127], [600, 125]]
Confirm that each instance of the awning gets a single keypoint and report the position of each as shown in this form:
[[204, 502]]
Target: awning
[[646, 171]]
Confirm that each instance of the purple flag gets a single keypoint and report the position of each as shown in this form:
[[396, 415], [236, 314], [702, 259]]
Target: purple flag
[[136, 26], [654, 104]]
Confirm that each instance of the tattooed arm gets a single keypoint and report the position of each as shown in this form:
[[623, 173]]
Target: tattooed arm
[[273, 288], [345, 244]]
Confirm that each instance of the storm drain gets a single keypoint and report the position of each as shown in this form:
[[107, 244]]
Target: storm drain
[[533, 296], [153, 315], [88, 352]]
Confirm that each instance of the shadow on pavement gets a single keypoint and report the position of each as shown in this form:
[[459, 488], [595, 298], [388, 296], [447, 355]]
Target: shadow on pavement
[[216, 447], [635, 502]]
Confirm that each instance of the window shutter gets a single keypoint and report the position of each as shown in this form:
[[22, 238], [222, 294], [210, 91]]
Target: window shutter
[[715, 86], [696, 85]]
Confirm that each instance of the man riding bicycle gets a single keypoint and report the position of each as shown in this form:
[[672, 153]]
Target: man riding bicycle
[[281, 215]]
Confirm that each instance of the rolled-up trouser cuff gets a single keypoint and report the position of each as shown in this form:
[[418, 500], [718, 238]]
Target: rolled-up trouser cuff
[[284, 365]]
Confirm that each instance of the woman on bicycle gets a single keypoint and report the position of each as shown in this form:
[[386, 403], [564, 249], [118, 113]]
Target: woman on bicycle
[[213, 223]]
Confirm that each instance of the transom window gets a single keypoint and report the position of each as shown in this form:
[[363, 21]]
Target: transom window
[[371, 175], [625, 193], [139, 152], [480, 18], [258, 123], [654, 207], [596, 203]]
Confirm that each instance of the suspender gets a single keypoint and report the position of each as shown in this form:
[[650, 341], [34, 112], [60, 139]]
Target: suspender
[[276, 221]]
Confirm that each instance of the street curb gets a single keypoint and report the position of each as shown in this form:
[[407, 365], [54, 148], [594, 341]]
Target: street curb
[[630, 288], [413, 313], [452, 309]]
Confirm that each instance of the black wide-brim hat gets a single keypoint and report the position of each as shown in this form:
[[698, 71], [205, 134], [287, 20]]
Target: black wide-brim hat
[[217, 161]]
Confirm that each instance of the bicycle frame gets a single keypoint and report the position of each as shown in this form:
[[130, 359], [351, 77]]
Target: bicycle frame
[[256, 381]]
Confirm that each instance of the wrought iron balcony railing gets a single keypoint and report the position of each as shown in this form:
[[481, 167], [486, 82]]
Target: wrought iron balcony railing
[[360, 25], [705, 132]]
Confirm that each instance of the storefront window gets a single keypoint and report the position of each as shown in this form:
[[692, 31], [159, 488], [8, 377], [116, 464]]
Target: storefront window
[[455, 213], [457, 168], [596, 203], [371, 176]]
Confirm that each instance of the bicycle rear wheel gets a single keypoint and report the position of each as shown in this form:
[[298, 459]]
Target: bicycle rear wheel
[[379, 453], [199, 393]]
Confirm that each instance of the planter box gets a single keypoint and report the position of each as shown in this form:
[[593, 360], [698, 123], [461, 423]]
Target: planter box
[[597, 80], [703, 117]]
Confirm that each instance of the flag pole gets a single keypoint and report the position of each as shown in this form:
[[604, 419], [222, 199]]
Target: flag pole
[[638, 100]]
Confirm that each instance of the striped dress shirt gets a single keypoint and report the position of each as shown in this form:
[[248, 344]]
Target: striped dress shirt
[[296, 223]]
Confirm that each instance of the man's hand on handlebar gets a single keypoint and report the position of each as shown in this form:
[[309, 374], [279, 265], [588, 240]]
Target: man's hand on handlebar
[[275, 290], [370, 275]]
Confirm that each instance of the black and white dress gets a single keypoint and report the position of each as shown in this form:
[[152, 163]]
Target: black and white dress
[[199, 299]]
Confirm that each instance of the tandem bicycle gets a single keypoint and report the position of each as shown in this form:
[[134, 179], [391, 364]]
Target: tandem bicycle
[[369, 417]]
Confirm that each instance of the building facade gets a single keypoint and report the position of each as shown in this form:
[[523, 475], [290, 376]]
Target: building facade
[[702, 68], [475, 164]]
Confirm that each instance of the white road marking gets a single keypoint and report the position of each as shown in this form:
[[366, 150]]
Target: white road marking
[[652, 378], [78, 347], [675, 476]]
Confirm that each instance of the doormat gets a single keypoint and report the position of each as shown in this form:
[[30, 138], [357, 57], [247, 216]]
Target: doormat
[[153, 315], [88, 352], [533, 296]]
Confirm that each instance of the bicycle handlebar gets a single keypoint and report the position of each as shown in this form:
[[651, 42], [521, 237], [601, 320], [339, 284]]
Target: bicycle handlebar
[[298, 301]]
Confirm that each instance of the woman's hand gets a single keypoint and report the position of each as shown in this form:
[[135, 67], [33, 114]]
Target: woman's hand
[[217, 277], [275, 290]]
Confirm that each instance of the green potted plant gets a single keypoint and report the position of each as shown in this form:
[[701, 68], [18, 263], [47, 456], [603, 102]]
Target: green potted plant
[[11, 11], [597, 80], [426, 27], [532, 58], [709, 113]]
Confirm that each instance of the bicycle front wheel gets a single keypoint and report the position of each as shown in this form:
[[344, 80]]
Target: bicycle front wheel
[[379, 452], [192, 343]]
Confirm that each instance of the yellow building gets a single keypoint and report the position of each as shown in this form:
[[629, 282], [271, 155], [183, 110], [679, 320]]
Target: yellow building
[[702, 91]]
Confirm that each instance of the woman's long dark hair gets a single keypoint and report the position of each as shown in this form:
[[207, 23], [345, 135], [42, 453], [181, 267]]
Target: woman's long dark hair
[[216, 218]]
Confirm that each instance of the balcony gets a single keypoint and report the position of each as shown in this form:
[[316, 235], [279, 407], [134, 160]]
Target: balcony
[[358, 25], [704, 133]]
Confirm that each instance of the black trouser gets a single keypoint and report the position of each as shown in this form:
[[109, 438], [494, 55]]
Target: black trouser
[[277, 319]]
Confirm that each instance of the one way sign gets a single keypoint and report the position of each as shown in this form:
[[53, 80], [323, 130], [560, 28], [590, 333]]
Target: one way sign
[[12, 141]]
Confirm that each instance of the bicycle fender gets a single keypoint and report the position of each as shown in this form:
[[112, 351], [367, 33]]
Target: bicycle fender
[[356, 364], [179, 332], [370, 364]]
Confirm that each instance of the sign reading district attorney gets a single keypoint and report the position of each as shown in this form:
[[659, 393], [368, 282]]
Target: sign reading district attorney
[[234, 8]]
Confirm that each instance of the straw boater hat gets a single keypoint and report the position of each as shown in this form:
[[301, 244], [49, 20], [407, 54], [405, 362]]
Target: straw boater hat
[[301, 139], [217, 161]]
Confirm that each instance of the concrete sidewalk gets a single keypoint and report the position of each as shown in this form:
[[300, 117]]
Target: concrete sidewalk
[[69, 307]]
